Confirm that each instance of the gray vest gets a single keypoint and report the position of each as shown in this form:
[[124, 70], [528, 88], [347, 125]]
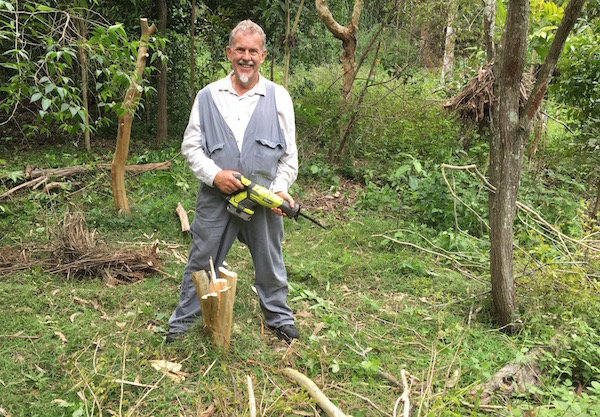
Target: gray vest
[[263, 143]]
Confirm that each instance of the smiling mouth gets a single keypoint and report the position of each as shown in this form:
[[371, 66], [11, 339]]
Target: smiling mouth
[[244, 64]]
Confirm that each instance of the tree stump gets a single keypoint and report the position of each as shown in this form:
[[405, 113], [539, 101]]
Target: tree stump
[[216, 296]]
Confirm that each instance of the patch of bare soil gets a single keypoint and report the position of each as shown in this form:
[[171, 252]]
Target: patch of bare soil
[[332, 203]]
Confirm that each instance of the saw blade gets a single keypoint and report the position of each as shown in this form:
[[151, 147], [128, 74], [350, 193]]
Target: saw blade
[[312, 220]]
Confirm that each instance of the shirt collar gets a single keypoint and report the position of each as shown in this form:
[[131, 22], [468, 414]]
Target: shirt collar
[[260, 87]]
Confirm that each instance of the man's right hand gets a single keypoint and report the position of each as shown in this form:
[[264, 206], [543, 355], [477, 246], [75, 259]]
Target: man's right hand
[[226, 181]]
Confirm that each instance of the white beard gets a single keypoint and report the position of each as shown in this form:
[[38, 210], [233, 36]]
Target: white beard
[[244, 79]]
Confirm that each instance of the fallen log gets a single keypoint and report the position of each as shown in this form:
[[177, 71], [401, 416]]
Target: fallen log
[[81, 169], [37, 176]]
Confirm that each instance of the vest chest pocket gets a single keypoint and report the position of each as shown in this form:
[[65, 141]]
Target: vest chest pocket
[[211, 148], [268, 153]]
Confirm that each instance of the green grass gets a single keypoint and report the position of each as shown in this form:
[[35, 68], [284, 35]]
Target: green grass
[[363, 306]]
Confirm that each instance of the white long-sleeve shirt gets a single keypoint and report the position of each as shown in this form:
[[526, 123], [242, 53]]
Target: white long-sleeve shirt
[[237, 110]]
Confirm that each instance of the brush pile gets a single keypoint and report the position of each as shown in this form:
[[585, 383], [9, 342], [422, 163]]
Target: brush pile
[[475, 100], [78, 253]]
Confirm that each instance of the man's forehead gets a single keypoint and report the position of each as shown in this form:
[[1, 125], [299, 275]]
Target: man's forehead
[[246, 36]]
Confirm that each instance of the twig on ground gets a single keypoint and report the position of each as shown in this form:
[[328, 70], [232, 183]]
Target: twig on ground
[[540, 219], [123, 364], [456, 264], [19, 335], [362, 397], [87, 385], [429, 376], [133, 383], [405, 397]]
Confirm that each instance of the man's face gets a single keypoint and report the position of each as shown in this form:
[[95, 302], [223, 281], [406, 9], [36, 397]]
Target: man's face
[[246, 56]]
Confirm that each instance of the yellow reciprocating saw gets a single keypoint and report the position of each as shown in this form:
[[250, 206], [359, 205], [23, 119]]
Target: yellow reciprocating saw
[[241, 203]]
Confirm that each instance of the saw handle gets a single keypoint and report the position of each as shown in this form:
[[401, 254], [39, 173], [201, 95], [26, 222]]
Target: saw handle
[[292, 213]]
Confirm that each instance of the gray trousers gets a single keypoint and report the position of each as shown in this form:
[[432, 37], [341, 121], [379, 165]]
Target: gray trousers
[[214, 231]]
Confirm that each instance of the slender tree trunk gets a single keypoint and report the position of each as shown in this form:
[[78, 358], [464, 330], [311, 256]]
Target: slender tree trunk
[[130, 103], [489, 17], [505, 157], [161, 90], [597, 205], [286, 45], [511, 129], [448, 62], [289, 35], [424, 46], [82, 24], [192, 59]]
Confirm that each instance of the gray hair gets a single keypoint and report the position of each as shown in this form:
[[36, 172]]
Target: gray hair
[[248, 26]]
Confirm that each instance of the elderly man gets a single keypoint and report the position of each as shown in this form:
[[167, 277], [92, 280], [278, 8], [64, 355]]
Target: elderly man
[[241, 124]]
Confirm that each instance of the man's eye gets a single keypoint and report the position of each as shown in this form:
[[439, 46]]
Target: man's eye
[[252, 52]]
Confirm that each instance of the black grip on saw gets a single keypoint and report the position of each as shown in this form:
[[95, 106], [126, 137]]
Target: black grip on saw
[[292, 213]]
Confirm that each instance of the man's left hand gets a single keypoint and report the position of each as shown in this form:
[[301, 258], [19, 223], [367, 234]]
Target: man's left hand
[[286, 197]]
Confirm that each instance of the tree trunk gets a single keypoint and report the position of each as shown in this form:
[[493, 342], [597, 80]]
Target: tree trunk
[[289, 35], [448, 62], [192, 59], [489, 17], [510, 131], [161, 89], [130, 103], [597, 205], [82, 24], [348, 36]]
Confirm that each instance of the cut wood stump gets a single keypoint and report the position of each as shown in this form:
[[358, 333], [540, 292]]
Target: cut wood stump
[[183, 218], [216, 296]]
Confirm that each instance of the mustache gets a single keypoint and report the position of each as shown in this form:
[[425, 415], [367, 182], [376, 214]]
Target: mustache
[[245, 62]]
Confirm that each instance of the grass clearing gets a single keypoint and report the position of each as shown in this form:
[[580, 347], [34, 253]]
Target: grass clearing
[[365, 308]]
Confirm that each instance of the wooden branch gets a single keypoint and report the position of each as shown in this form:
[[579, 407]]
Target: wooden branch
[[183, 218], [251, 399], [27, 184], [525, 208], [41, 175], [570, 15], [328, 407], [356, 11], [82, 169], [62, 185], [328, 20]]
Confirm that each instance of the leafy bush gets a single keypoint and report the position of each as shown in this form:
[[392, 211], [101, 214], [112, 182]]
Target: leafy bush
[[576, 354]]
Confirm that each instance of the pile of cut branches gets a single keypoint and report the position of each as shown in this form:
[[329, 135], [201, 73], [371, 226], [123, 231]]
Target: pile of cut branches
[[474, 101], [77, 252]]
